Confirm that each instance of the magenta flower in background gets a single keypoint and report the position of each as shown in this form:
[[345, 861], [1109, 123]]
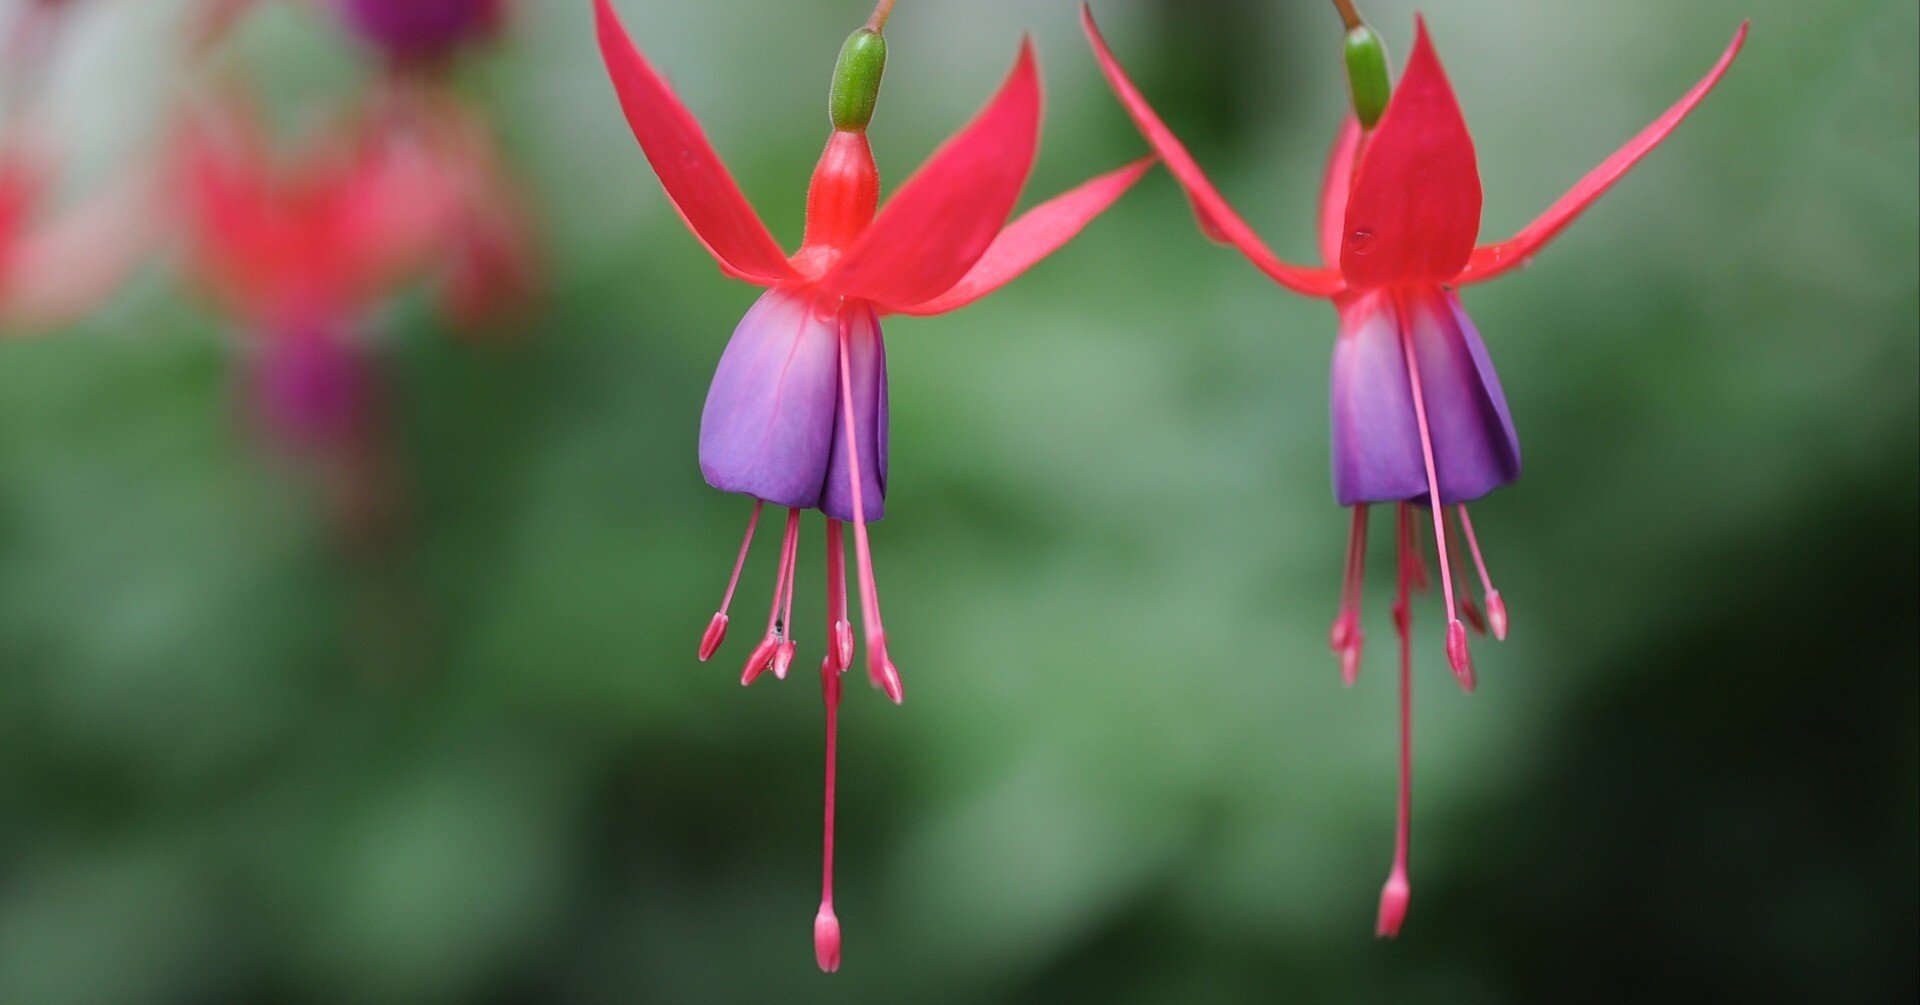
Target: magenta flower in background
[[299, 251], [422, 30], [797, 412], [1418, 415]]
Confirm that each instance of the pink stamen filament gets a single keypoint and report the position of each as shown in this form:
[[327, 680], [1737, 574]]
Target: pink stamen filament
[[1417, 565], [740, 562], [839, 632], [717, 627], [1496, 607], [766, 654], [783, 657], [879, 667], [1347, 637], [1468, 609], [775, 629], [1457, 654]]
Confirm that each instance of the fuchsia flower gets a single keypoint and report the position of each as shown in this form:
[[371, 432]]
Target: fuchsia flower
[[299, 254], [486, 260], [797, 413], [1418, 416]]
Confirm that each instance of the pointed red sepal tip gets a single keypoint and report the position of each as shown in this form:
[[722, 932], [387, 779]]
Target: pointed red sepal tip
[[1394, 898], [1458, 655], [760, 661], [715, 634], [1497, 615], [826, 939], [1350, 659], [782, 659], [841, 652], [1217, 219]]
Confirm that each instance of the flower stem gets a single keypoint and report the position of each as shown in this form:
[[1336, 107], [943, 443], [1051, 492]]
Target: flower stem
[[884, 10], [1348, 14]]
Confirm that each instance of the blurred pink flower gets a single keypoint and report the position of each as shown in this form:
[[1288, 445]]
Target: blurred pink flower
[[61, 258]]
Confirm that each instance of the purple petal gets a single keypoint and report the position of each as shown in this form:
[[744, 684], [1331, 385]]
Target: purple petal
[[1376, 435], [768, 427], [1376, 440], [311, 386], [1474, 443], [420, 29], [867, 365]]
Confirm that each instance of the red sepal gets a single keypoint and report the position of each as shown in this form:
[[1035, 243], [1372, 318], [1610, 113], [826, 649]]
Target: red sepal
[[944, 218], [1494, 259], [1038, 232], [1414, 209], [1217, 218], [696, 181]]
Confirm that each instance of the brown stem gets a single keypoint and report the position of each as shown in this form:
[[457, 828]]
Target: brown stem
[[883, 11], [1348, 14]]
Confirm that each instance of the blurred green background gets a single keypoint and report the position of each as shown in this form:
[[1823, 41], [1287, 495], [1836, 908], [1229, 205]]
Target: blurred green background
[[234, 767]]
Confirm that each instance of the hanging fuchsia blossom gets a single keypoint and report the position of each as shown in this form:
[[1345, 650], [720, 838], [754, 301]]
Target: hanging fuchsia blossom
[[299, 252], [1418, 416], [797, 413]]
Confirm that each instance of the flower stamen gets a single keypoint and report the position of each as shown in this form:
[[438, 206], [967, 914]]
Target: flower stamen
[[1468, 609], [717, 628], [1347, 638], [1496, 607], [1458, 655], [767, 653], [783, 656], [880, 669], [839, 629]]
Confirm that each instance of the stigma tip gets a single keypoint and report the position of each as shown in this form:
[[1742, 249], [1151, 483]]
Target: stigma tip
[[715, 634], [1497, 615], [1394, 898], [826, 939]]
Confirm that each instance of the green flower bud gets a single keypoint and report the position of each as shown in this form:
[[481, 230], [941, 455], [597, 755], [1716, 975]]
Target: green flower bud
[[856, 80], [1367, 75]]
